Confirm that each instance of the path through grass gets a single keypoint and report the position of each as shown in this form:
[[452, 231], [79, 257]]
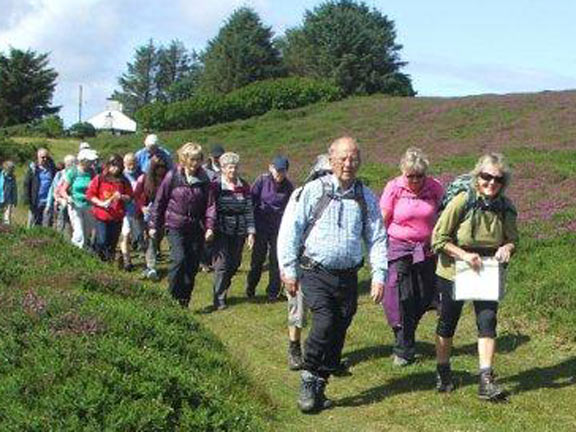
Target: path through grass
[[537, 367]]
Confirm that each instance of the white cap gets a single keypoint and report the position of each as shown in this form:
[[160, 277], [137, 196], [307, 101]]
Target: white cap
[[84, 145], [151, 140], [87, 155]]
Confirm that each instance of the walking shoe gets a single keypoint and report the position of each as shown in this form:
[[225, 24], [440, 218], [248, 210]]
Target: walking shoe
[[401, 361], [444, 383], [489, 390], [295, 356], [322, 402], [152, 275], [308, 389], [343, 368]]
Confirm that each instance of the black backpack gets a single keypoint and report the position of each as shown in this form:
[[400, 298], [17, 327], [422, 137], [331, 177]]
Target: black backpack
[[327, 196]]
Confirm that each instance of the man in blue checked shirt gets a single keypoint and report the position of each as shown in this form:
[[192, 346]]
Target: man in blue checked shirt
[[324, 261]]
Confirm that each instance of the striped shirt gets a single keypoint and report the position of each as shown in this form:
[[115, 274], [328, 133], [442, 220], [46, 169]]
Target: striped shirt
[[235, 214], [336, 239]]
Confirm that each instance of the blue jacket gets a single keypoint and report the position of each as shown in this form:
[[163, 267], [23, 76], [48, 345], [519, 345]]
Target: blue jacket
[[143, 156]]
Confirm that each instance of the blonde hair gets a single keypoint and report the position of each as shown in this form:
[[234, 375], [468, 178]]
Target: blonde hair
[[497, 160], [414, 160], [229, 158], [190, 150]]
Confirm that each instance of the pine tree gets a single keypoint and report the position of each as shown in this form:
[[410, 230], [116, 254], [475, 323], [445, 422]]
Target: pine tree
[[139, 82], [352, 45], [241, 53], [27, 85]]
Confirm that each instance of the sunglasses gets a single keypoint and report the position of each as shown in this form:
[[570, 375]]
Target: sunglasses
[[415, 176], [489, 177]]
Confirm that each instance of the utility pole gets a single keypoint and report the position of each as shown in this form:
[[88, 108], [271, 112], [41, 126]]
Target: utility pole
[[80, 104]]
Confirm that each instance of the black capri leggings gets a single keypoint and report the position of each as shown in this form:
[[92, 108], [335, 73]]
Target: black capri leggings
[[450, 311]]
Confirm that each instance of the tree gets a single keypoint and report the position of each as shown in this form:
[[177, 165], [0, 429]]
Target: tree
[[27, 85], [158, 74], [139, 83], [174, 64], [241, 53], [350, 44]]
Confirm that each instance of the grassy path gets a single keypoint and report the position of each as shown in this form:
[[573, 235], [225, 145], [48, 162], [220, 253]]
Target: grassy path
[[535, 366]]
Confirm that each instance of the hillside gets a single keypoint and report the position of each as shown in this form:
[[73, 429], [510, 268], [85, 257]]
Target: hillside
[[84, 347], [536, 356]]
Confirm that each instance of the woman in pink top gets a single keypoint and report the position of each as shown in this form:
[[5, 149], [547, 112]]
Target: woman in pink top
[[409, 206]]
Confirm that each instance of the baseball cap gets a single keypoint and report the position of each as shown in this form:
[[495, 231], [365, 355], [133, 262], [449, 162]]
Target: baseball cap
[[217, 151], [280, 163]]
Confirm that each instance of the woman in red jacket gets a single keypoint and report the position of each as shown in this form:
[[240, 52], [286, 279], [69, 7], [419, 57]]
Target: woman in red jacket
[[108, 193]]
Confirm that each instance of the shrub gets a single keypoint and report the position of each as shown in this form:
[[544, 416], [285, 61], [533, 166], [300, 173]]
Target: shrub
[[82, 130], [50, 127], [18, 152], [84, 347], [251, 100]]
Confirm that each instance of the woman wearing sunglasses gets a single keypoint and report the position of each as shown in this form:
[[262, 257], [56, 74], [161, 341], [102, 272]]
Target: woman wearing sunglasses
[[476, 223], [409, 206]]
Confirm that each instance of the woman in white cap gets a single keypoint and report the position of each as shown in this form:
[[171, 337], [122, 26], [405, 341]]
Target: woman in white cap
[[73, 190]]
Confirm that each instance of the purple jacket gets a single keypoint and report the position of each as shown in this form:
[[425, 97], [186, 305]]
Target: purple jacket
[[269, 199], [181, 205]]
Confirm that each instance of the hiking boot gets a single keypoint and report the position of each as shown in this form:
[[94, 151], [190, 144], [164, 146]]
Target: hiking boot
[[308, 390], [489, 390], [399, 361], [343, 368], [322, 402], [295, 356], [152, 275], [444, 383]]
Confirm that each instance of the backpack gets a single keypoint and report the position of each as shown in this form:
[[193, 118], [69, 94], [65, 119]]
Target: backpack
[[463, 183], [322, 204]]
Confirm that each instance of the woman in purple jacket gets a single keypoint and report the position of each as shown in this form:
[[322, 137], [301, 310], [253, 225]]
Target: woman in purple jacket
[[184, 206]]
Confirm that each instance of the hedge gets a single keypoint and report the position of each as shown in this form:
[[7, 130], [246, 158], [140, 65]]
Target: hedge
[[252, 100], [17, 152]]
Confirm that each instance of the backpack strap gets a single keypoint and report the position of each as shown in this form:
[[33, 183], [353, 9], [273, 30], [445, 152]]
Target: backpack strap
[[317, 212], [361, 200], [322, 204]]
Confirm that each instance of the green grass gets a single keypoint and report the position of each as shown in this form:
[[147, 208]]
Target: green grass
[[536, 357], [83, 347]]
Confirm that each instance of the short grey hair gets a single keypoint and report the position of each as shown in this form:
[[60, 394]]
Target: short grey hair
[[414, 160], [229, 158], [69, 160], [497, 160]]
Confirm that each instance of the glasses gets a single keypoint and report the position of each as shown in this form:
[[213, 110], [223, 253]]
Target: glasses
[[489, 177]]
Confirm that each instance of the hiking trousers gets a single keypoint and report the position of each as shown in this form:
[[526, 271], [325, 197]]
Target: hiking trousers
[[185, 249], [264, 245], [227, 260], [332, 300]]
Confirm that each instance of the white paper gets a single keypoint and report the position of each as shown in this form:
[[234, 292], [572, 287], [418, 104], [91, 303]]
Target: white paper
[[486, 284]]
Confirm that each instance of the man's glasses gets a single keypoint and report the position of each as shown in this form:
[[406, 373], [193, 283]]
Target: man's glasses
[[489, 177], [415, 176]]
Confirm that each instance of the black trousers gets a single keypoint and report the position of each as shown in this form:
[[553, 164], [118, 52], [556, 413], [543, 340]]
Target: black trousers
[[107, 235], [450, 311], [185, 249], [265, 245], [416, 284], [332, 300], [227, 259]]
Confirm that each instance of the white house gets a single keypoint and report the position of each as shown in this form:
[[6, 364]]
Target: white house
[[113, 119]]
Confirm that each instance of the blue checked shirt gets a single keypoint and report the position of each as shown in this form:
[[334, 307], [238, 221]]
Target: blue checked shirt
[[336, 239]]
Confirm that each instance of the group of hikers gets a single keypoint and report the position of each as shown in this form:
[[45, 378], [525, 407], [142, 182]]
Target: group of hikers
[[314, 237]]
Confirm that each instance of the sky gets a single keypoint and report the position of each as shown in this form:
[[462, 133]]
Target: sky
[[453, 47]]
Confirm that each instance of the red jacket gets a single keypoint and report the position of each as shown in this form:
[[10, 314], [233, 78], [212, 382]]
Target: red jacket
[[103, 189]]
